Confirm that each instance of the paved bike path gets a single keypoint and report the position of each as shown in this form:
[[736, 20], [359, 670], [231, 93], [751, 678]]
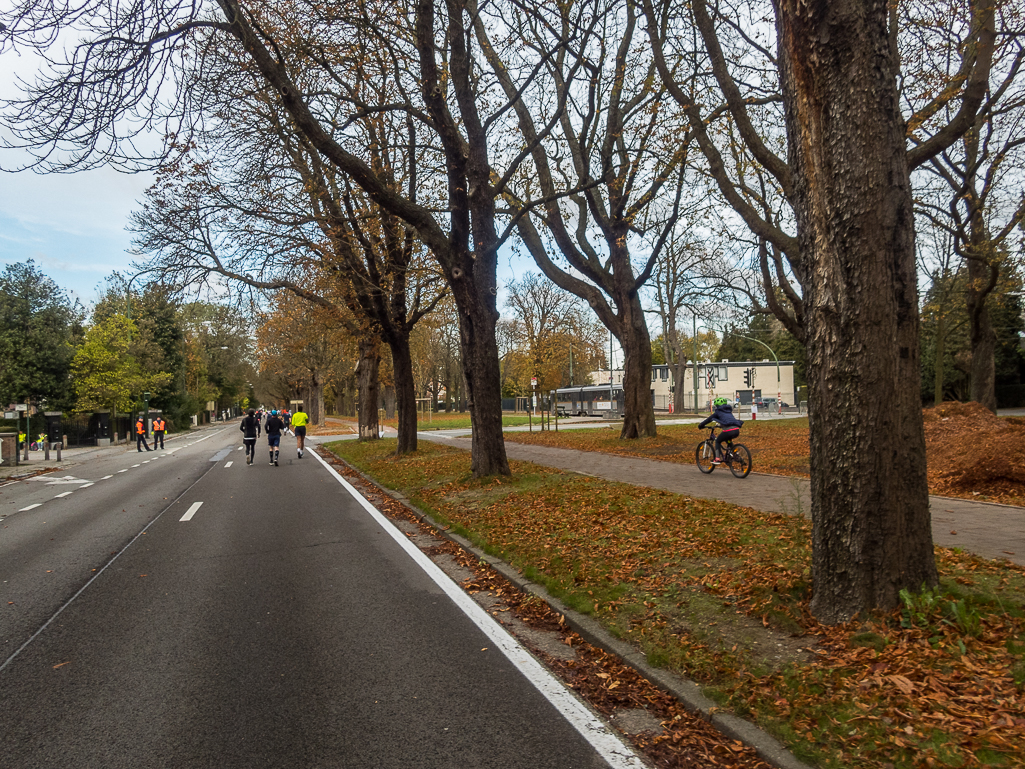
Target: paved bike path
[[992, 531]]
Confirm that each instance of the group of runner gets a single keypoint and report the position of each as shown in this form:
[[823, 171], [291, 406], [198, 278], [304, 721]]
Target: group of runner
[[277, 422]]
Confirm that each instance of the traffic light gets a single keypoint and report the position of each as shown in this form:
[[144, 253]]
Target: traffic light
[[747, 377]]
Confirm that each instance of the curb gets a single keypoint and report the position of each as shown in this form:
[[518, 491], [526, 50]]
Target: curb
[[767, 747]]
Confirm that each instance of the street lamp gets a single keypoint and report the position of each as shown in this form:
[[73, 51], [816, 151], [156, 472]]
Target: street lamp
[[779, 394]]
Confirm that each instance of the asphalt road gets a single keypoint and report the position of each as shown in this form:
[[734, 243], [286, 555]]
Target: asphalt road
[[181, 609]]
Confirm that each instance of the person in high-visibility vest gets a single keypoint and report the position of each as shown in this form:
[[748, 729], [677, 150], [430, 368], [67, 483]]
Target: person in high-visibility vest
[[140, 434], [159, 426], [299, 421]]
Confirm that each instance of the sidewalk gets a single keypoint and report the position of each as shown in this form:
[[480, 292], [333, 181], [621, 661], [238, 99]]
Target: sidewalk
[[78, 455], [992, 531]]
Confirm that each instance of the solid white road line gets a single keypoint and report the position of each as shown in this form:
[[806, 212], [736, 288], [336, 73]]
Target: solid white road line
[[607, 744], [191, 511], [30, 507], [227, 465]]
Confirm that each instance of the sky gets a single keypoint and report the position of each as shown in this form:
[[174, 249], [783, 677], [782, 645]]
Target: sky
[[71, 225]]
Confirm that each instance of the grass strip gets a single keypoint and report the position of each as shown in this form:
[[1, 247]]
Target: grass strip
[[719, 594]]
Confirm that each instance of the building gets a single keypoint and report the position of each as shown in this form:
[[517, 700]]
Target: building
[[765, 382]]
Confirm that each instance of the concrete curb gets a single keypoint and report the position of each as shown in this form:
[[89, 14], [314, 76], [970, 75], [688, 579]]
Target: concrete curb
[[767, 747]]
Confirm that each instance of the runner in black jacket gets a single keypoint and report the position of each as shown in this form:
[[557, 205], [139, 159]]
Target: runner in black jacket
[[250, 428], [274, 427]]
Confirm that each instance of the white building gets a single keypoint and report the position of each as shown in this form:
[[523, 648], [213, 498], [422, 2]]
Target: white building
[[745, 382]]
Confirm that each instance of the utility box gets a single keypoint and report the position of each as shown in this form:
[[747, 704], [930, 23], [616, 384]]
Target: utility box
[[53, 427], [8, 449], [102, 427]]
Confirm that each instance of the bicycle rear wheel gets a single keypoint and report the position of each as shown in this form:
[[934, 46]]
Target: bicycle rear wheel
[[739, 460], [703, 456]]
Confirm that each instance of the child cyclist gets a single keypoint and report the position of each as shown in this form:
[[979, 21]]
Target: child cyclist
[[729, 424]]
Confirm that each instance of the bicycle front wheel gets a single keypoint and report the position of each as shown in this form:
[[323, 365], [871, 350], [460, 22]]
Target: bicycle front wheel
[[703, 455], [739, 460]]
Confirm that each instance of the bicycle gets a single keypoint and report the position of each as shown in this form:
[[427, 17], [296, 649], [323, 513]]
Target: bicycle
[[735, 456]]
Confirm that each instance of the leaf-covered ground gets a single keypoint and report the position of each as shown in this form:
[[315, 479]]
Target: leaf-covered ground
[[720, 593], [971, 453]]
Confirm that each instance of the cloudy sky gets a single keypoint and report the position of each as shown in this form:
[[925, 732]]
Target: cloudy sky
[[71, 225]]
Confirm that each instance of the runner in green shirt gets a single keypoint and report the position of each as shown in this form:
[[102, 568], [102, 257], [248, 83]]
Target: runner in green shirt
[[299, 421]]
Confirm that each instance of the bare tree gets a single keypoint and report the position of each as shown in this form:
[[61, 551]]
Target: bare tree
[[108, 85], [848, 271]]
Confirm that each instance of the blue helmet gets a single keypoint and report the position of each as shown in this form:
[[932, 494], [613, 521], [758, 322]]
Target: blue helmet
[[274, 413]]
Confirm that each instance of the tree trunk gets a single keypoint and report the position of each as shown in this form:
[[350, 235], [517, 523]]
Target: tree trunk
[[405, 394], [639, 412], [389, 401], [939, 351], [481, 378], [369, 361], [983, 271], [871, 526]]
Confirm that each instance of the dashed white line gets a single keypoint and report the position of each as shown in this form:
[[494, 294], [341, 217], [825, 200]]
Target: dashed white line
[[105, 477], [227, 465], [86, 485], [147, 461], [65, 494], [191, 511], [123, 471], [30, 507], [135, 465]]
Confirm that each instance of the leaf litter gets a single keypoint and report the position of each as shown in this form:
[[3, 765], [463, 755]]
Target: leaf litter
[[685, 580]]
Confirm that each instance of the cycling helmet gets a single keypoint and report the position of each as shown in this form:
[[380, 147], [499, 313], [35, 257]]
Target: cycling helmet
[[720, 401]]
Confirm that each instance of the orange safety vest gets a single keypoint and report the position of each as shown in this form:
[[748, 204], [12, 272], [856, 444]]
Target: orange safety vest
[[140, 428], [158, 425]]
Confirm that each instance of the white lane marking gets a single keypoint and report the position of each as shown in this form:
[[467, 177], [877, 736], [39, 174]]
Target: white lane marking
[[135, 465], [606, 743], [65, 494], [30, 507], [191, 511], [86, 486], [147, 461], [227, 465], [105, 477], [123, 471]]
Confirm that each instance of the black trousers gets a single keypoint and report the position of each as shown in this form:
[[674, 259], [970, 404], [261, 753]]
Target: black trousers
[[250, 444], [158, 439], [140, 441]]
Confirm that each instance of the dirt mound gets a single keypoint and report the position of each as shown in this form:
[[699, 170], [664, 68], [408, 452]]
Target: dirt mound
[[971, 451]]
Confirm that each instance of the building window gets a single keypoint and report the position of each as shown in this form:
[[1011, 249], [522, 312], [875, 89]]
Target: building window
[[722, 373]]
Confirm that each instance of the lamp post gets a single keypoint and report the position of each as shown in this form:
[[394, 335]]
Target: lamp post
[[779, 394]]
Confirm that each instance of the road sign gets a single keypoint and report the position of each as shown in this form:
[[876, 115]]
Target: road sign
[[533, 381], [21, 407], [10, 415]]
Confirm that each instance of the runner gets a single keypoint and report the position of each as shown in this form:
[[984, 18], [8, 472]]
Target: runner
[[274, 427], [250, 428], [299, 422]]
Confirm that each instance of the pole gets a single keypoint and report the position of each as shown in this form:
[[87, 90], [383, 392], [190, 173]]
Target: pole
[[779, 395], [570, 364], [694, 362], [610, 371]]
